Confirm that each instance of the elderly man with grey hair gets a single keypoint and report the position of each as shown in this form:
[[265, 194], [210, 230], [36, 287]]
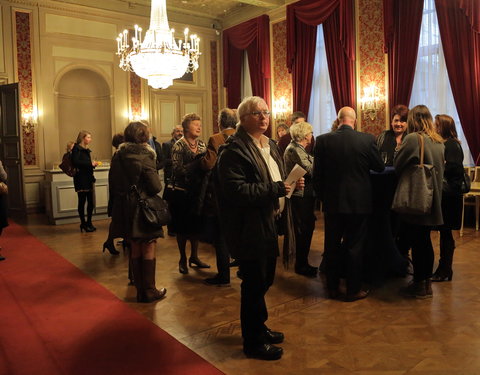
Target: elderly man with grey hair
[[251, 195], [303, 201]]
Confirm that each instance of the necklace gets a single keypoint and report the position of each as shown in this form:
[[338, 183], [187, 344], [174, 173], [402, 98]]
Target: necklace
[[193, 145]]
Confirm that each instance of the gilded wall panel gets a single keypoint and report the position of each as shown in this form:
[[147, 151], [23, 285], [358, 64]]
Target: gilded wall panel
[[372, 60], [282, 79], [25, 78]]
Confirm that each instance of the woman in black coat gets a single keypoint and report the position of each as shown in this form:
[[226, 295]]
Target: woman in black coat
[[135, 164], [83, 179], [3, 204], [452, 198], [117, 140], [187, 180]]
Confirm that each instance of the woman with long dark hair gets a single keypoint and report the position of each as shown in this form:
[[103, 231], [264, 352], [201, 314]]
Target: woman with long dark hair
[[420, 122], [84, 179], [452, 197], [390, 140], [134, 164]]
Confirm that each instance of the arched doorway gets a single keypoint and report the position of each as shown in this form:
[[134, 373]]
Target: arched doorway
[[83, 103]]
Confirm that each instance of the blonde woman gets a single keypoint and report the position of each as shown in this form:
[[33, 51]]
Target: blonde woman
[[420, 122], [84, 179], [303, 201]]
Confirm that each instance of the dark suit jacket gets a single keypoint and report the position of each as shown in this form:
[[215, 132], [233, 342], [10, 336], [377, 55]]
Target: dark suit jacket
[[341, 177], [167, 155], [215, 141]]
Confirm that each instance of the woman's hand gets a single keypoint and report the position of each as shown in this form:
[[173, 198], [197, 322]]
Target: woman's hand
[[300, 185], [95, 163], [287, 188]]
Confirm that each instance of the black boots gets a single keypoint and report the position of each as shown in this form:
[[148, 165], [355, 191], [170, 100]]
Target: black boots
[[444, 270]]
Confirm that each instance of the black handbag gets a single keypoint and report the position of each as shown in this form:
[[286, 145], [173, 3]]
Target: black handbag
[[150, 214]]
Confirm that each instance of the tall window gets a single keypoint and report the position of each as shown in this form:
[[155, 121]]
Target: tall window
[[246, 81], [322, 108], [431, 85]]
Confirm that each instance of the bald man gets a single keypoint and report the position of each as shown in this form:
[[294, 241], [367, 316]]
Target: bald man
[[341, 177]]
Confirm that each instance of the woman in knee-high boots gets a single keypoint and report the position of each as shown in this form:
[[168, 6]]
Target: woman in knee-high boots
[[134, 164], [84, 179], [420, 124], [452, 198]]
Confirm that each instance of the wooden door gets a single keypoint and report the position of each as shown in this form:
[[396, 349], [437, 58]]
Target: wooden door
[[11, 146]]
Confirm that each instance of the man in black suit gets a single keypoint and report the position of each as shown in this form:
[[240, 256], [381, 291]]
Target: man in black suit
[[177, 133], [342, 161]]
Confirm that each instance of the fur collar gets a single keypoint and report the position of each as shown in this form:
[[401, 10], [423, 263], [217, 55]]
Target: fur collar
[[137, 148]]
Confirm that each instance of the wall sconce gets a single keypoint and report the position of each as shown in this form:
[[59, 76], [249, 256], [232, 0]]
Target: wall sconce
[[137, 117], [29, 121], [280, 109], [370, 101]]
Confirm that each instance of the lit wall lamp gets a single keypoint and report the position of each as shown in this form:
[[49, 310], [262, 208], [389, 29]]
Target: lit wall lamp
[[280, 109], [137, 117], [370, 101], [29, 121]]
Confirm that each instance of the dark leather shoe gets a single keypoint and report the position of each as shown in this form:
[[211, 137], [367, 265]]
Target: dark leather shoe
[[217, 281], [274, 337], [266, 352], [307, 270], [355, 297]]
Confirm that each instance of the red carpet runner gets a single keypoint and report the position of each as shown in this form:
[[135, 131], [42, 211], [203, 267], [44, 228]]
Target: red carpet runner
[[56, 320]]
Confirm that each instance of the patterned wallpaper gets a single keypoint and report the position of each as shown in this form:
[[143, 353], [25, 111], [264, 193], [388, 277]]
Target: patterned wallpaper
[[372, 59], [135, 96], [282, 80], [24, 73], [214, 75]]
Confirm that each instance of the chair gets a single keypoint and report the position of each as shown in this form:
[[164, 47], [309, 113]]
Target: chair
[[472, 200]]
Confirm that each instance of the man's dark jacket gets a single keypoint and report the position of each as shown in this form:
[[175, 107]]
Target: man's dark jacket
[[341, 170], [247, 203]]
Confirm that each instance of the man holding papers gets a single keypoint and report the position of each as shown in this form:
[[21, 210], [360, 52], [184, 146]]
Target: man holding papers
[[341, 179], [251, 195]]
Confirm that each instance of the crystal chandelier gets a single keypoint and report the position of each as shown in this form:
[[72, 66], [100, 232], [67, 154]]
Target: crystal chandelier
[[159, 58]]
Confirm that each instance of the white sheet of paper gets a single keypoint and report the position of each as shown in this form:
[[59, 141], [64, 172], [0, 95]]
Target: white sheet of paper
[[296, 173]]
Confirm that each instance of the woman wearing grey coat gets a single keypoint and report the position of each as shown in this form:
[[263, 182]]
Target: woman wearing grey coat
[[420, 122], [303, 201]]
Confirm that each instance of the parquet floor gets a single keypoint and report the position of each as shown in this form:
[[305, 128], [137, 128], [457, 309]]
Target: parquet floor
[[384, 334]]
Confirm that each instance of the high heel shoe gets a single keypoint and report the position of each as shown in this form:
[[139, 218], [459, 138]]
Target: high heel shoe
[[91, 227], [197, 262], [110, 247], [182, 267], [86, 228], [440, 276]]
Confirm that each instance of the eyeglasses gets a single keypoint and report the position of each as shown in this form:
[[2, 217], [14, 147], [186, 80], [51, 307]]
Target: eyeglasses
[[258, 113]]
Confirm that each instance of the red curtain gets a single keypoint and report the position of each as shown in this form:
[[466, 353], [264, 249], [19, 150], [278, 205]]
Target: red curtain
[[459, 30], [302, 19], [252, 36], [402, 23]]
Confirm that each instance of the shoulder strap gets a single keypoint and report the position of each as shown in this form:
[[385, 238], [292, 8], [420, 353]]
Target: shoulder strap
[[422, 145]]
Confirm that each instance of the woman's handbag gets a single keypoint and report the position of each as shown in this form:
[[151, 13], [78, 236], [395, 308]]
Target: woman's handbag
[[461, 188], [149, 215], [3, 188], [414, 193]]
